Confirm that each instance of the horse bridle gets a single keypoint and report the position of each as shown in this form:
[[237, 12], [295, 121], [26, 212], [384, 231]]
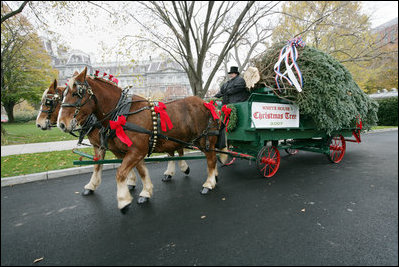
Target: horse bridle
[[51, 103], [82, 88]]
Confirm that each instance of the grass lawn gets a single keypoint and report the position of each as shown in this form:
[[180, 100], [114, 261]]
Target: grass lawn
[[40, 162], [15, 165], [24, 133]]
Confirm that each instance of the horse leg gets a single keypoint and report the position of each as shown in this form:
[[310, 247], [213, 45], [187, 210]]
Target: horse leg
[[210, 182], [171, 170], [182, 163], [131, 180], [95, 179], [223, 157], [131, 159], [146, 193]]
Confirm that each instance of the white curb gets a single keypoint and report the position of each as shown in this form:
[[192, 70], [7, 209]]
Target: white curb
[[9, 181]]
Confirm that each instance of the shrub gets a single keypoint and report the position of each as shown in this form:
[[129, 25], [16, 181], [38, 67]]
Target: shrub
[[25, 116], [388, 111]]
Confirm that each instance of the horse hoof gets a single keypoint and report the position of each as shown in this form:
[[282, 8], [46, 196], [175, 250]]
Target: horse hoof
[[142, 200], [125, 208], [167, 178], [131, 187], [187, 172], [87, 192], [205, 191]]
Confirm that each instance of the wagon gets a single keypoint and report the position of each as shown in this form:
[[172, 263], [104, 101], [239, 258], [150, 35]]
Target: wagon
[[267, 124]]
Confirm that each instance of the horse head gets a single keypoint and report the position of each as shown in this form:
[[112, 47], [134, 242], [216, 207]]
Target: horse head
[[77, 104], [50, 106]]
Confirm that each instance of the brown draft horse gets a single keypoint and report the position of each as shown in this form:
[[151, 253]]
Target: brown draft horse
[[190, 118], [47, 117]]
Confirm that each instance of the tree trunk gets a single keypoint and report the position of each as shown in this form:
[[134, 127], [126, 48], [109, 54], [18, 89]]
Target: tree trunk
[[9, 107], [196, 85]]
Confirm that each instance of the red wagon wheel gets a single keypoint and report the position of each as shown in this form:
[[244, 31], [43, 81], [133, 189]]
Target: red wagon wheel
[[337, 148], [268, 161]]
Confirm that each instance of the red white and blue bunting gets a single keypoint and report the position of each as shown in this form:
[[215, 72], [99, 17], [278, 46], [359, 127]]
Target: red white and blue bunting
[[287, 53]]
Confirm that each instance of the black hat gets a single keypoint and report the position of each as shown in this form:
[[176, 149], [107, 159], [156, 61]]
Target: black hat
[[233, 70]]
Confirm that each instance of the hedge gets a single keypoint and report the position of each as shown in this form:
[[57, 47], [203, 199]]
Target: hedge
[[388, 111]]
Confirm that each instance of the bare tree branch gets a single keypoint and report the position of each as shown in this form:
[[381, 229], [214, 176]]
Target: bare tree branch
[[13, 13]]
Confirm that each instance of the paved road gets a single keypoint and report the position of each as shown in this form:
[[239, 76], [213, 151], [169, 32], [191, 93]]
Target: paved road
[[311, 213]]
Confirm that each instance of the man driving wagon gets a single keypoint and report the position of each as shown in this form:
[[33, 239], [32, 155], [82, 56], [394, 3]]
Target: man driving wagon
[[234, 90]]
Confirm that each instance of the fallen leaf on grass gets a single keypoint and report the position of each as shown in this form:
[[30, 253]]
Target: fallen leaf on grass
[[203, 217], [39, 259], [303, 210], [77, 193], [223, 198]]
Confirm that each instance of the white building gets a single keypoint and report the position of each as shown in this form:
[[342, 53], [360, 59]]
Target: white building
[[164, 79]]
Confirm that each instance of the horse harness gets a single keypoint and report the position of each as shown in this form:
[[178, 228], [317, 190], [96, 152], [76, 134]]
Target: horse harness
[[123, 108], [82, 88], [51, 102]]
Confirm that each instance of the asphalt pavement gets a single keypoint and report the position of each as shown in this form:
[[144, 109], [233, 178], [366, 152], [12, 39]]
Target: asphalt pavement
[[312, 212]]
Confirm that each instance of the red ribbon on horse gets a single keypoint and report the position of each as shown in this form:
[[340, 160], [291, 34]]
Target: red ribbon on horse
[[120, 133], [165, 120], [227, 112], [211, 108]]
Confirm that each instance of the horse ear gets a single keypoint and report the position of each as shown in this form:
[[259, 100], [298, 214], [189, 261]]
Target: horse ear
[[82, 76], [55, 84], [76, 73]]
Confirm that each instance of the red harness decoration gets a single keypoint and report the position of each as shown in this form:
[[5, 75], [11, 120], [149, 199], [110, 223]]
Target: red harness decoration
[[211, 108], [165, 120], [117, 125], [226, 112]]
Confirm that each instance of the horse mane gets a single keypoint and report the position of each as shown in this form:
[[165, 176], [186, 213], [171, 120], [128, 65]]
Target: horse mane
[[105, 82]]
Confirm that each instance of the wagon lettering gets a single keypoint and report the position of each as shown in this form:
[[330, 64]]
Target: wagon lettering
[[289, 116], [274, 115]]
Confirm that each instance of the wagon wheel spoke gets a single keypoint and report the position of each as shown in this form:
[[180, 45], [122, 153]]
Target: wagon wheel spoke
[[337, 148], [268, 161]]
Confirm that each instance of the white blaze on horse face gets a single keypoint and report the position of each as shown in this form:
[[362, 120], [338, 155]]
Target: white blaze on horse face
[[42, 121], [69, 85]]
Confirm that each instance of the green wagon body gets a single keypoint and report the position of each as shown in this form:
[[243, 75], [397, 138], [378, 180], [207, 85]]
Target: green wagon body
[[249, 140], [263, 144]]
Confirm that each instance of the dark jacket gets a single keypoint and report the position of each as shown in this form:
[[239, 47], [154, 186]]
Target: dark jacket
[[233, 91]]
